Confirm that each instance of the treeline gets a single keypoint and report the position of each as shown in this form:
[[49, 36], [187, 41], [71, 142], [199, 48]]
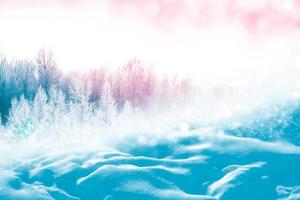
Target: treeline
[[134, 84]]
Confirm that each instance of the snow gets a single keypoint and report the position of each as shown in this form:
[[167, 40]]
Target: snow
[[288, 193], [218, 188], [196, 165]]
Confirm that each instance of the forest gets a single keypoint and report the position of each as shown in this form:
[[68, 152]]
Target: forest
[[34, 93]]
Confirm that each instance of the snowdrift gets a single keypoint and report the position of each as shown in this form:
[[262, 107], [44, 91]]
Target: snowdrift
[[203, 164]]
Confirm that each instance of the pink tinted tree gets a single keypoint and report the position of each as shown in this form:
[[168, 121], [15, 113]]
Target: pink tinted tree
[[138, 83], [97, 78]]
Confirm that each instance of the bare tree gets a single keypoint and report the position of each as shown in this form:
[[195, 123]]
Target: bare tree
[[47, 70]]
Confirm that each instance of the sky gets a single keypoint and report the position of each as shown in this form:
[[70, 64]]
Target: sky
[[204, 39]]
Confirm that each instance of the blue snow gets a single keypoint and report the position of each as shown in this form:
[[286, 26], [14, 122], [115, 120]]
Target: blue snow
[[202, 164]]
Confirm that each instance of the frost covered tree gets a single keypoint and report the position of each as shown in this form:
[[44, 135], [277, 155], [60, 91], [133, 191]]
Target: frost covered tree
[[25, 81], [108, 103], [66, 86], [97, 78], [40, 105], [57, 111], [4, 103], [20, 121], [48, 73], [118, 88], [138, 83], [40, 111], [17, 78], [57, 100], [81, 92]]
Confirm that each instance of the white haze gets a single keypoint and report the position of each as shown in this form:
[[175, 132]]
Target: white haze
[[90, 38]]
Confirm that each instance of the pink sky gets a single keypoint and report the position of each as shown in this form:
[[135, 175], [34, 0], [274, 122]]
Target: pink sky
[[259, 15], [173, 35]]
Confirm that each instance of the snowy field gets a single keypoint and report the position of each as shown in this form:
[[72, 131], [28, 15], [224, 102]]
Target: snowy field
[[187, 162], [200, 165]]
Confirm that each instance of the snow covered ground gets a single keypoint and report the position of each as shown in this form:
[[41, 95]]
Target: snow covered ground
[[202, 164]]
